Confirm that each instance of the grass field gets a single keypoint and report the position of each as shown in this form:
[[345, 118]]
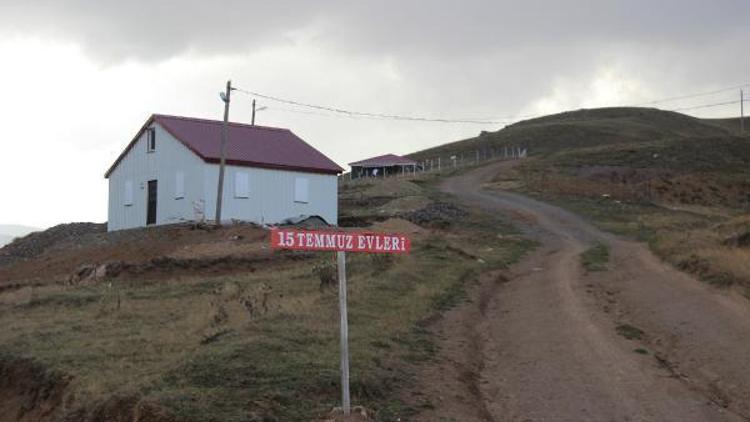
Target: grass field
[[595, 258], [680, 183], [260, 344]]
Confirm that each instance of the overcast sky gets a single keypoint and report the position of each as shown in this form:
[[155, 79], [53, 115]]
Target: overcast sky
[[78, 78]]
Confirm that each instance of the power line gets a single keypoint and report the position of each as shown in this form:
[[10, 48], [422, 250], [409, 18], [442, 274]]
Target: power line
[[708, 105], [350, 116], [702, 94], [339, 112], [368, 114], [317, 113]]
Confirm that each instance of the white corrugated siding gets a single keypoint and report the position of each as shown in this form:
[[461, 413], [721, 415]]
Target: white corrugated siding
[[139, 166], [271, 193]]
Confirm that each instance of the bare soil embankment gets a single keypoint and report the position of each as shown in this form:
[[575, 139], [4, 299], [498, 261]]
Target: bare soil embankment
[[551, 341]]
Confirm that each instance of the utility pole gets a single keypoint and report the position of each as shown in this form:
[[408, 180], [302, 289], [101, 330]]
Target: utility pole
[[742, 113], [252, 122], [222, 162]]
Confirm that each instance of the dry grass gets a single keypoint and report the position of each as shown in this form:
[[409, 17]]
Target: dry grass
[[263, 342], [681, 230], [702, 252]]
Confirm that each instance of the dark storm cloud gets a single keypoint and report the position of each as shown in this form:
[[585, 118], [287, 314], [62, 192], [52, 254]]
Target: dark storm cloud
[[154, 30]]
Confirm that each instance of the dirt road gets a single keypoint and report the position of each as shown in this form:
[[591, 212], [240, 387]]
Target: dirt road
[[540, 342]]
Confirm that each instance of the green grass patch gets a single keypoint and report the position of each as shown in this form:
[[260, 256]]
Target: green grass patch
[[630, 332], [595, 258]]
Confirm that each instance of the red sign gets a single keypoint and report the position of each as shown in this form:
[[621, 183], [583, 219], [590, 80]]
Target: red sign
[[325, 240]]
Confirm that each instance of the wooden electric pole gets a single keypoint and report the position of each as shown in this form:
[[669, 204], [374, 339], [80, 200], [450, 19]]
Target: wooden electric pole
[[252, 121], [742, 113], [222, 160]]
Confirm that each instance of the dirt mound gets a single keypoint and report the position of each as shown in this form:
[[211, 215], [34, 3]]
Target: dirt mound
[[170, 266], [123, 408], [29, 392], [156, 250], [36, 243], [437, 214], [398, 225]]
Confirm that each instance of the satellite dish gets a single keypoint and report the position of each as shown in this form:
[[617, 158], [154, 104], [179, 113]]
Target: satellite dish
[[223, 96]]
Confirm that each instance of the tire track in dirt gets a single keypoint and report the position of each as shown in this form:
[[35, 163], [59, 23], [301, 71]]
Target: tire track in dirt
[[543, 346]]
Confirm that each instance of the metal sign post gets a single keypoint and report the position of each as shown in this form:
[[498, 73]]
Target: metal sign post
[[345, 398], [341, 242]]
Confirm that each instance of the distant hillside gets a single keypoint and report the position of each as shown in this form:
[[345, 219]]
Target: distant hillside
[[631, 154], [731, 124], [586, 128], [5, 239], [8, 232]]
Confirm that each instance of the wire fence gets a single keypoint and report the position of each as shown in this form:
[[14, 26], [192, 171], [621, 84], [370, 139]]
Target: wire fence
[[440, 163]]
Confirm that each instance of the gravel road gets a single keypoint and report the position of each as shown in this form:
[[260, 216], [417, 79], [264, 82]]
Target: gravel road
[[540, 342]]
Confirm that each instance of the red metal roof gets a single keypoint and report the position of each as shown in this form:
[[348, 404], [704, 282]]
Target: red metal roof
[[386, 160], [247, 145]]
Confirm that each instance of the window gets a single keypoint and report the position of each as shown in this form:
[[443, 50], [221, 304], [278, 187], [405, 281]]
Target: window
[[179, 185], [128, 193], [151, 139], [301, 185], [241, 185]]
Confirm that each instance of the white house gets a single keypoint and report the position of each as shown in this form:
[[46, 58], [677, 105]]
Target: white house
[[169, 174]]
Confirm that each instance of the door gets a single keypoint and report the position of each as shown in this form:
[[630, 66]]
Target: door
[[151, 203]]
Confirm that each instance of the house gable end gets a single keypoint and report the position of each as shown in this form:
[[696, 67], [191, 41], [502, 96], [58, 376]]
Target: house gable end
[[151, 120]]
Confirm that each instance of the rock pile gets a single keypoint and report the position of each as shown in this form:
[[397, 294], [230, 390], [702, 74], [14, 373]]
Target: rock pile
[[436, 214], [36, 243]]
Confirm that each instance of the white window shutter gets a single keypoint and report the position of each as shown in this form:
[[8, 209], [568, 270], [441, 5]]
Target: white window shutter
[[301, 186], [179, 185], [241, 185], [128, 193]]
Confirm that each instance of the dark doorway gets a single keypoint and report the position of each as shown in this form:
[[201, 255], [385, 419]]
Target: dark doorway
[[151, 205]]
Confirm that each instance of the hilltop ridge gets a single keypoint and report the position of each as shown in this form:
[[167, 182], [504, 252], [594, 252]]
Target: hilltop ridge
[[587, 128]]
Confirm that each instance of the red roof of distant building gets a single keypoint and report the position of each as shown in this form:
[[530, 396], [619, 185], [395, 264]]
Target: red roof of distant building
[[247, 145], [386, 160]]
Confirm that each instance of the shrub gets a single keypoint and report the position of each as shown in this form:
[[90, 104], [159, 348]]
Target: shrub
[[326, 272]]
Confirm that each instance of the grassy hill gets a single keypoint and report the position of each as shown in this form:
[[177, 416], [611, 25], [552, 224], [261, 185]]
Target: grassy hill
[[679, 182], [585, 128], [5, 239], [631, 153], [731, 124], [8, 232]]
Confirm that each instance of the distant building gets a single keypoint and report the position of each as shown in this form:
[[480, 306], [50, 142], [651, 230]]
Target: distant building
[[384, 165], [169, 173]]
